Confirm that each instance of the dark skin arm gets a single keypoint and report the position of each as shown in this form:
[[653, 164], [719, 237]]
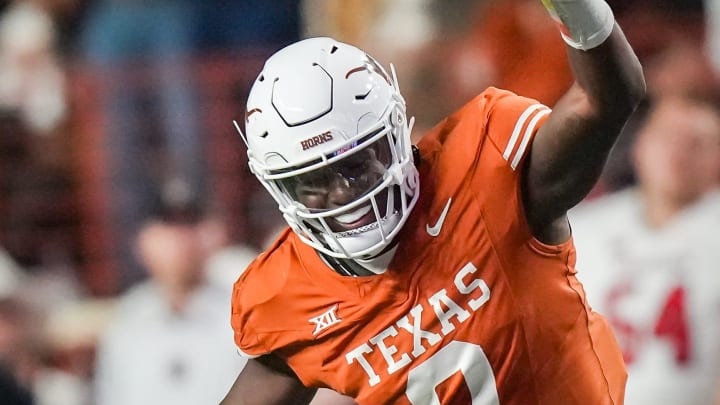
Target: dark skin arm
[[268, 380], [570, 149]]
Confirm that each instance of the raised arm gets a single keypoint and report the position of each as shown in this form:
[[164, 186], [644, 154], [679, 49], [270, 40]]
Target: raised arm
[[268, 381], [570, 149]]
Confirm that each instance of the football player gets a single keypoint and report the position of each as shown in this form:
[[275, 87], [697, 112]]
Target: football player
[[438, 274]]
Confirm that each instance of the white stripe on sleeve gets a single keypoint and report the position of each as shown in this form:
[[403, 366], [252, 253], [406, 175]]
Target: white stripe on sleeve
[[518, 127], [526, 137]]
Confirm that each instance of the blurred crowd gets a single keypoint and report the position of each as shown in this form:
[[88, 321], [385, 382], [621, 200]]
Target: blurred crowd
[[127, 210]]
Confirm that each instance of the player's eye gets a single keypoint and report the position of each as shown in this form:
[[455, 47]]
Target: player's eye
[[353, 169]]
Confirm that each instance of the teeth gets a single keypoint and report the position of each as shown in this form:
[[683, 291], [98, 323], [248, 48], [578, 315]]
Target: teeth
[[353, 216]]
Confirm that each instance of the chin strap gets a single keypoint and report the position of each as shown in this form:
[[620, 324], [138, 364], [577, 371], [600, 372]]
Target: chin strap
[[359, 268], [584, 24], [342, 267]]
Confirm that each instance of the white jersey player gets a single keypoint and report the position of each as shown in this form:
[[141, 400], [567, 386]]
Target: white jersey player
[[649, 258]]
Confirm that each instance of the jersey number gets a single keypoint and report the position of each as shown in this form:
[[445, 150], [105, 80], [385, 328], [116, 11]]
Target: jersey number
[[672, 325], [466, 358]]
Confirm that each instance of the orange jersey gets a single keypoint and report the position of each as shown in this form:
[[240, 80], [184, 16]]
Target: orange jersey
[[472, 308]]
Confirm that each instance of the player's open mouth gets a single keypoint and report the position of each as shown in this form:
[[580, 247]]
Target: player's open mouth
[[354, 217]]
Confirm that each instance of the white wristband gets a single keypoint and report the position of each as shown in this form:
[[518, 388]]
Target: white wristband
[[586, 23]]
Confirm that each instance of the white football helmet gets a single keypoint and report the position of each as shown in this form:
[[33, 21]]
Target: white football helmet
[[322, 110]]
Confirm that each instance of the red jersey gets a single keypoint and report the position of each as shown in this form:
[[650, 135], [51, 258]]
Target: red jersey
[[471, 310]]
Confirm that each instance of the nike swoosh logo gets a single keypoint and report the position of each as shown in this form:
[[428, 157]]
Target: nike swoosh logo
[[435, 229]]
